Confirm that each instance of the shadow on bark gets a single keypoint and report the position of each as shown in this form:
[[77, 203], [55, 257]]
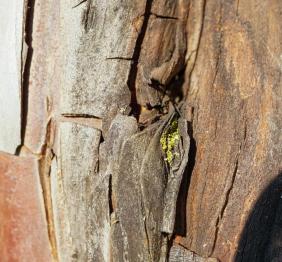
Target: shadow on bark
[[180, 222], [261, 239]]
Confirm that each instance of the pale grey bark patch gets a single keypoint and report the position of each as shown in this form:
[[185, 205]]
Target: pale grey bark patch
[[82, 230], [122, 127], [96, 85], [11, 30]]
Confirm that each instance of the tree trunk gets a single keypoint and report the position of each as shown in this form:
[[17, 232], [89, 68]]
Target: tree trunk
[[141, 130]]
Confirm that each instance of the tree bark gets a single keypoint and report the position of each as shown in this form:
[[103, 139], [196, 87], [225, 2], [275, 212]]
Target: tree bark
[[141, 130]]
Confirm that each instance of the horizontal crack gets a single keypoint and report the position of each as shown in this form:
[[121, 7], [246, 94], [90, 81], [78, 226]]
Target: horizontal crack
[[120, 58], [72, 115], [164, 16], [86, 120]]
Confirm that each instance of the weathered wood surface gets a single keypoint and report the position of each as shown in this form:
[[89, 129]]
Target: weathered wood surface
[[23, 227], [235, 89], [11, 30], [96, 86]]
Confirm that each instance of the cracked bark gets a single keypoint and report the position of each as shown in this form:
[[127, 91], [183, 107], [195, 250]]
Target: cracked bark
[[97, 84]]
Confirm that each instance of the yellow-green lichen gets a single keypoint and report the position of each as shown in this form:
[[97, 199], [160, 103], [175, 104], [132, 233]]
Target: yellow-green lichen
[[169, 139]]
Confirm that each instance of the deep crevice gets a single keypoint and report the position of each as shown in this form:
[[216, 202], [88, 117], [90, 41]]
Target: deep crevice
[[110, 193], [131, 82], [180, 222], [28, 29]]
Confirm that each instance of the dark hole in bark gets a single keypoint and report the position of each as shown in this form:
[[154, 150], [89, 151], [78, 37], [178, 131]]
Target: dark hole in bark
[[261, 239], [175, 87], [102, 138], [173, 91]]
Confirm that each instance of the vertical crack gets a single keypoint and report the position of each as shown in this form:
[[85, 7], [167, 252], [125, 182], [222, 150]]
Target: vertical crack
[[219, 54], [224, 205], [237, 7], [136, 108], [110, 196], [45, 180], [180, 227], [28, 28]]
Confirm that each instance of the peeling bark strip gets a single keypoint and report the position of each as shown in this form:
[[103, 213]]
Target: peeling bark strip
[[176, 169]]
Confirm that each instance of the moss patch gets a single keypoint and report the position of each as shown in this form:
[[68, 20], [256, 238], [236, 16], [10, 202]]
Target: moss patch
[[169, 139]]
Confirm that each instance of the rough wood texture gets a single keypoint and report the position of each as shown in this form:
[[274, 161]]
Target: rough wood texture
[[144, 194], [102, 79], [163, 49], [235, 89], [139, 222], [102, 43], [23, 227], [11, 30], [180, 254]]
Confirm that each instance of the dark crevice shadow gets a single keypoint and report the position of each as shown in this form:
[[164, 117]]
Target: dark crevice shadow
[[180, 222], [26, 71], [261, 240], [131, 83]]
